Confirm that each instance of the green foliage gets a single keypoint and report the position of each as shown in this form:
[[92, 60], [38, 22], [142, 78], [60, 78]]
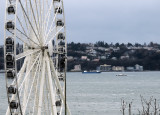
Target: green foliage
[[101, 44], [77, 46]]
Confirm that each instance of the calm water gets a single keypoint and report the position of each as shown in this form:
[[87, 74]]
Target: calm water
[[101, 94]]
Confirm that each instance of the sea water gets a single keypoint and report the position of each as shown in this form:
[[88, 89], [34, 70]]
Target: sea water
[[101, 94]]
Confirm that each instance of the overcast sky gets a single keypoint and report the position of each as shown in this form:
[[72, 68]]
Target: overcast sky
[[113, 20], [110, 20]]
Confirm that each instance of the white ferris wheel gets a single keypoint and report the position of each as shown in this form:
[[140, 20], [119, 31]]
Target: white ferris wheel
[[35, 53]]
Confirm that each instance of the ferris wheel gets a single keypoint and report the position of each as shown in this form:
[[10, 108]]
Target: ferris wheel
[[35, 53]]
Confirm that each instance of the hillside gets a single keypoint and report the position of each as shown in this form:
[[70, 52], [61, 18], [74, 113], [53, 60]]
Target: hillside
[[90, 56]]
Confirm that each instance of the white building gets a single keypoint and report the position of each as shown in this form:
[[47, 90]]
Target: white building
[[103, 57], [138, 68], [70, 58], [130, 68], [77, 68], [84, 58], [117, 68], [105, 68]]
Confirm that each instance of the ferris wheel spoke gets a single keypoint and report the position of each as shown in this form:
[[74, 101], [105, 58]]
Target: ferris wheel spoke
[[48, 96], [35, 21], [26, 7], [47, 4], [26, 53], [35, 97], [19, 38], [21, 72], [26, 85], [44, 106], [21, 26], [36, 87], [27, 37], [29, 20], [30, 91], [31, 67], [48, 16], [41, 88], [25, 20], [40, 16], [54, 29], [54, 35], [54, 110], [37, 14], [52, 23], [43, 15], [41, 23]]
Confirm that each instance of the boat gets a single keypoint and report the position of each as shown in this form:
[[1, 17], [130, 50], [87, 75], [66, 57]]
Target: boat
[[93, 72], [121, 74]]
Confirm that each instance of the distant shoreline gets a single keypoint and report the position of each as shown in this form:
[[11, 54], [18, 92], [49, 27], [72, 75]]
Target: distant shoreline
[[3, 71], [117, 71]]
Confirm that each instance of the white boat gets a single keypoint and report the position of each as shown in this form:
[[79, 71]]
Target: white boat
[[121, 74], [87, 72]]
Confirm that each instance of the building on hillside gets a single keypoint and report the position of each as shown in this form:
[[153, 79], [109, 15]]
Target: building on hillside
[[93, 52], [104, 68], [70, 58], [124, 57], [77, 68], [76, 58], [102, 48], [138, 68], [117, 68], [95, 60], [83, 57], [103, 57], [114, 58], [130, 68]]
